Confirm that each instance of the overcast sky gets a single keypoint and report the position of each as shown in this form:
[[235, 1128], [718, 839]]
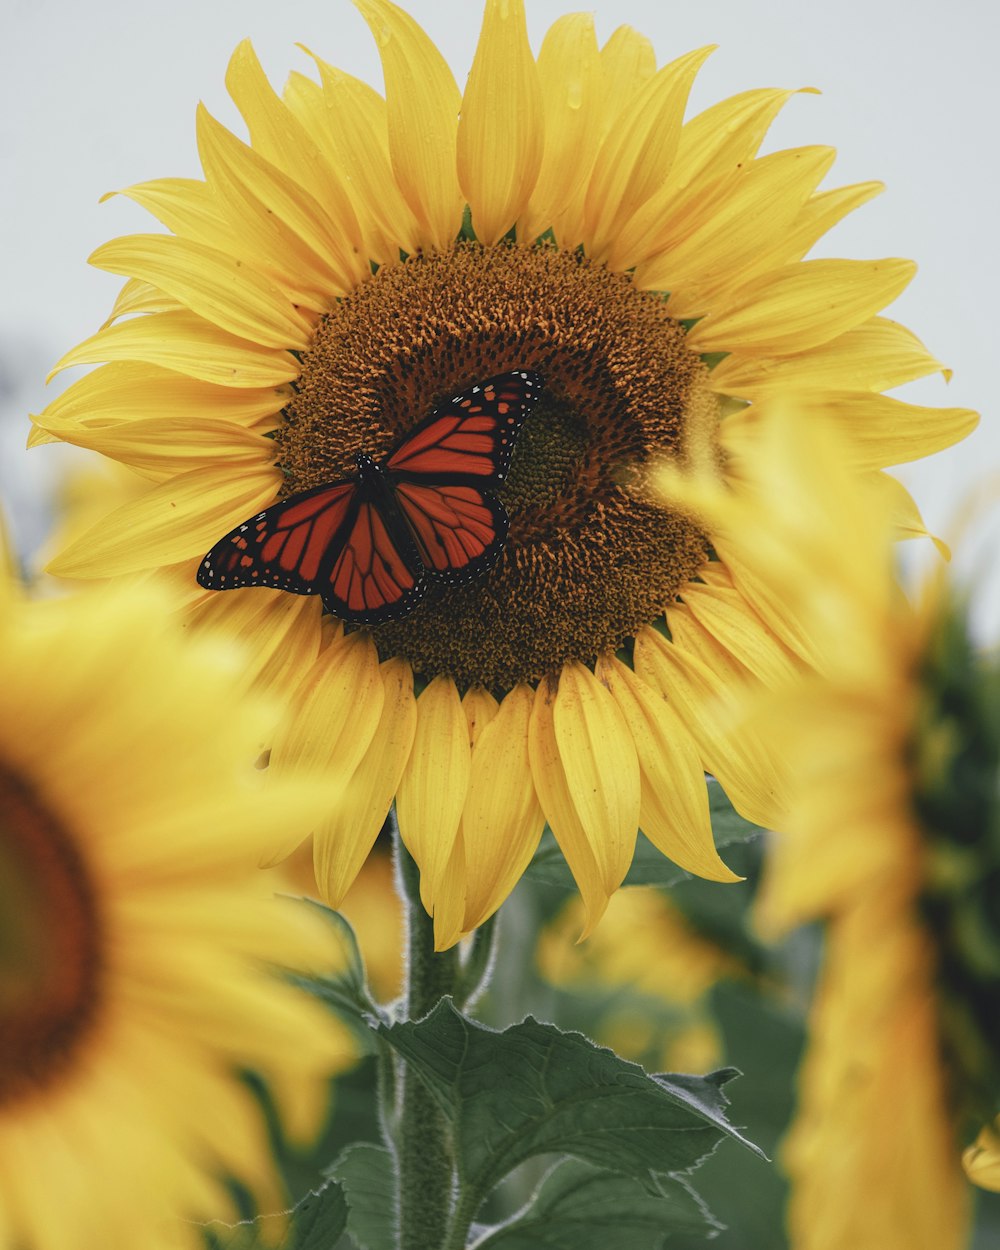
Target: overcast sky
[[98, 96]]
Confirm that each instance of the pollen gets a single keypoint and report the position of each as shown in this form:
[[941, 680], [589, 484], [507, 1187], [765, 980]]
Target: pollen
[[591, 555]]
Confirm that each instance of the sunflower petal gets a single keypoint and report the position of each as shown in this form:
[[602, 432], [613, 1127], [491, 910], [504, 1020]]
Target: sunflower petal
[[674, 812], [569, 71], [137, 296], [423, 106], [904, 513], [502, 821], [727, 617], [211, 283], [188, 344], [636, 155], [186, 207], [800, 306], [745, 771], [556, 800], [875, 356], [341, 844], [500, 132], [601, 767], [432, 789], [628, 62], [176, 520]]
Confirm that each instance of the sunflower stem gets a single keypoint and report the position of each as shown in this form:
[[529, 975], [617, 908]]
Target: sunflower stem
[[426, 1173]]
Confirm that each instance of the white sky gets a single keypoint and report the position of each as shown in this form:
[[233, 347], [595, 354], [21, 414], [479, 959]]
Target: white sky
[[97, 96]]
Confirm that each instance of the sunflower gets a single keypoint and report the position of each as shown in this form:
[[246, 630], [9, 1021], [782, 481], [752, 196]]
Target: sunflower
[[137, 946], [894, 744], [362, 257]]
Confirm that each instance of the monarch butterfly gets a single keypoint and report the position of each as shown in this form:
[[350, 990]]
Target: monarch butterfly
[[368, 543]]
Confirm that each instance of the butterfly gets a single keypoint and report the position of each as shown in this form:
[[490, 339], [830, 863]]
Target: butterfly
[[368, 544]]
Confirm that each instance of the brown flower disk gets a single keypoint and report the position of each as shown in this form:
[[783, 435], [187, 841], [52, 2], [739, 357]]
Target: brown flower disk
[[590, 556]]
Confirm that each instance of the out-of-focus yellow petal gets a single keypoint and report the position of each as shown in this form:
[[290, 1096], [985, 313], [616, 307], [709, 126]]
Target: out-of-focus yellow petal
[[569, 70], [801, 306], [875, 356], [341, 843], [176, 520], [746, 772], [502, 821], [131, 390], [189, 344], [601, 767], [211, 283], [423, 106], [278, 136], [981, 1160], [284, 229], [637, 153], [674, 812], [500, 133], [905, 514], [432, 789], [556, 799]]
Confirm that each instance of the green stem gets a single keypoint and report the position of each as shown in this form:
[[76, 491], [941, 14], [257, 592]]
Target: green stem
[[423, 1146]]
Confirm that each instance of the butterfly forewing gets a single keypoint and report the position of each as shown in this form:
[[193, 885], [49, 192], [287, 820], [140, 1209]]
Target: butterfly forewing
[[470, 436]]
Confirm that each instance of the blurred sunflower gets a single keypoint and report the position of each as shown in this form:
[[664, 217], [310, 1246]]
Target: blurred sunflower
[[362, 257], [894, 842], [136, 943]]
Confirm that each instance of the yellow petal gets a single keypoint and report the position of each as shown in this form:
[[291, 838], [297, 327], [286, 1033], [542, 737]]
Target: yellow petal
[[171, 445], [875, 356], [728, 618], [713, 148], [357, 129], [553, 792], [432, 789], [423, 105], [341, 843], [211, 283], [818, 215], [449, 902], [281, 139], [754, 218], [798, 307], [176, 520], [186, 207], [500, 132], [745, 771], [502, 821], [602, 771], [129, 390], [628, 61], [278, 223], [140, 297], [905, 514], [569, 71], [636, 155], [185, 342], [674, 812]]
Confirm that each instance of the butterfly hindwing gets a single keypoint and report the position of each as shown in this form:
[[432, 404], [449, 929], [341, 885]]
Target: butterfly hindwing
[[372, 576], [459, 530]]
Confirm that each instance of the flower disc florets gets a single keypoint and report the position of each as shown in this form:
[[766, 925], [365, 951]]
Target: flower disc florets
[[591, 555]]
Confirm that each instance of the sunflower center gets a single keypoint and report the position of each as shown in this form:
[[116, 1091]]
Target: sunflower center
[[49, 943], [591, 555]]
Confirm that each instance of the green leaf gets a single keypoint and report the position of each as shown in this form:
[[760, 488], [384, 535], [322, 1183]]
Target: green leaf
[[347, 990], [579, 1207], [533, 1090], [649, 866], [366, 1173], [315, 1224]]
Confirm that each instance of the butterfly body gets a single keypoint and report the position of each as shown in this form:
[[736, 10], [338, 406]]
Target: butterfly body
[[369, 543]]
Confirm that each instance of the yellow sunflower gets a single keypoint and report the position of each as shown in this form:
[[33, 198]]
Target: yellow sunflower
[[894, 745], [364, 256], [137, 946]]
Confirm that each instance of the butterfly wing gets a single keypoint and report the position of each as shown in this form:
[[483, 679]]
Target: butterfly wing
[[444, 470], [469, 439], [330, 541]]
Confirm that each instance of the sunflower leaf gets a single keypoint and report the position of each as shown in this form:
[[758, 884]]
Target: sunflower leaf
[[316, 1223], [366, 1174], [580, 1207], [535, 1090]]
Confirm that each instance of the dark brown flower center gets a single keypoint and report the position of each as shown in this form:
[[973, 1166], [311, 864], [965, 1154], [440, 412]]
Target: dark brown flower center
[[591, 555], [49, 943]]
